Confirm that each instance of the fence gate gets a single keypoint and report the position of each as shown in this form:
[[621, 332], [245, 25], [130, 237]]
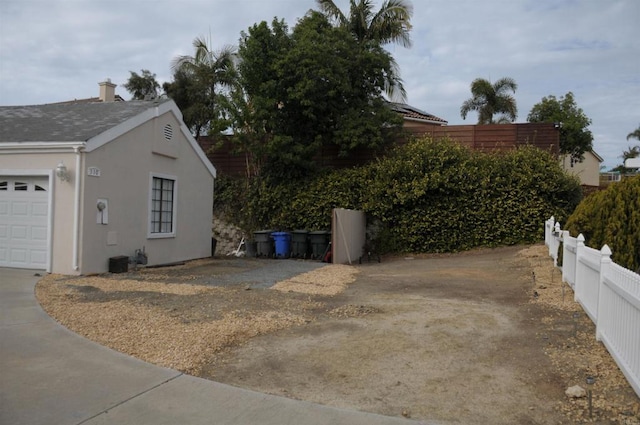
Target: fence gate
[[348, 234]]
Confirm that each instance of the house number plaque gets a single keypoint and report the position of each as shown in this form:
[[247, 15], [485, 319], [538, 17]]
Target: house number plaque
[[93, 171]]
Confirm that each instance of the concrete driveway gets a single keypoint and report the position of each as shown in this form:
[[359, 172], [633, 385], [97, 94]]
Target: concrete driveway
[[50, 375]]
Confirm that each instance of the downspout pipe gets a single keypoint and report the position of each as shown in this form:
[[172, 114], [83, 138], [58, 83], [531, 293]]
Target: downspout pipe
[[76, 209]]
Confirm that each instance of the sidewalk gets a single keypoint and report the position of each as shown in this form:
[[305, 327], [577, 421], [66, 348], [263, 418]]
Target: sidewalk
[[50, 375]]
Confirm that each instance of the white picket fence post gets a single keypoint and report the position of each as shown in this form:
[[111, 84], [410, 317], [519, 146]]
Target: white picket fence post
[[579, 248], [548, 229], [605, 264], [568, 258], [555, 243]]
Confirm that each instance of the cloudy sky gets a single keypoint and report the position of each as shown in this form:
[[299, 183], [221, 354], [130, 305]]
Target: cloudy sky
[[56, 50]]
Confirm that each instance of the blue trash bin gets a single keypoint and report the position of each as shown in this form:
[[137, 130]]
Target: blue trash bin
[[282, 242]]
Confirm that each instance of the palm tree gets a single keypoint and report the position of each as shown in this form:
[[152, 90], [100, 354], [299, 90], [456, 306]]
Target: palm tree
[[635, 134], [391, 24], [631, 152], [490, 99], [205, 77]]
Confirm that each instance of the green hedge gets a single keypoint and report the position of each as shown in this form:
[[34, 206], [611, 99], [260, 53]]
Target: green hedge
[[428, 196], [612, 217]]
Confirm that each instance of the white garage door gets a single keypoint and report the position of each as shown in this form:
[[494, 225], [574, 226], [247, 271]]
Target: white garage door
[[23, 221]]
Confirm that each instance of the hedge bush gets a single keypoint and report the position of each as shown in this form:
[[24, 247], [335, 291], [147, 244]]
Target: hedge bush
[[612, 217], [428, 196]]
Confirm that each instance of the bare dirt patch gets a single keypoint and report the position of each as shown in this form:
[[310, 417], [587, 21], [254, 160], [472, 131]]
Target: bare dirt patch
[[468, 338]]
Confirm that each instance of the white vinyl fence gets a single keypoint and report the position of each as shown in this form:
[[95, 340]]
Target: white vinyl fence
[[609, 294]]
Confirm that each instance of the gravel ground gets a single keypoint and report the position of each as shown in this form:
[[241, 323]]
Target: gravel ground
[[179, 317], [197, 318]]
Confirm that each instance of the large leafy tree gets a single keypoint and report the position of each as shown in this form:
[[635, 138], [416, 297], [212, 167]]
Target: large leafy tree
[[310, 88], [490, 99], [575, 137], [390, 24], [200, 84], [142, 86], [257, 98]]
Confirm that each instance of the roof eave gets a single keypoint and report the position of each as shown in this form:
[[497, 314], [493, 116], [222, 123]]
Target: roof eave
[[41, 146], [426, 121]]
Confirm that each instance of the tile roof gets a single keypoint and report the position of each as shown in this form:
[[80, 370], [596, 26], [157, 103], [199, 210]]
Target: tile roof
[[411, 112], [66, 121]]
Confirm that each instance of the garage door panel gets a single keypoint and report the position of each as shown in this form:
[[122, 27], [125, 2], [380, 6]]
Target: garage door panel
[[19, 209], [39, 233], [39, 209], [4, 208], [38, 258], [19, 256], [19, 233]]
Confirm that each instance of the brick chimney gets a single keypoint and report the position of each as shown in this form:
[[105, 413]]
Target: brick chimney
[[107, 91]]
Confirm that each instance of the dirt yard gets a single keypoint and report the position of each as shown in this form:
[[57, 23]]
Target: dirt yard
[[488, 336]]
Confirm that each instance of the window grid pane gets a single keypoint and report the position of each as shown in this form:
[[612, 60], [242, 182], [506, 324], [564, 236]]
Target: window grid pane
[[162, 205]]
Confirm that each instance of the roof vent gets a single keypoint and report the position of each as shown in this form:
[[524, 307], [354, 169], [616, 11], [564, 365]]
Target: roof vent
[[168, 132]]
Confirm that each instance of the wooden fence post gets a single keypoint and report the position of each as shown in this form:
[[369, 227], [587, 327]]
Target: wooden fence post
[[605, 264]]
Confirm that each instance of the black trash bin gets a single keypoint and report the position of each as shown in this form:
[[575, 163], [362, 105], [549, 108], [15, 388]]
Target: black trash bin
[[300, 244], [319, 243], [264, 243]]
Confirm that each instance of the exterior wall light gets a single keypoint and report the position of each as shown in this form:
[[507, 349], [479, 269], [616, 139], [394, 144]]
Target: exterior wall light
[[61, 172]]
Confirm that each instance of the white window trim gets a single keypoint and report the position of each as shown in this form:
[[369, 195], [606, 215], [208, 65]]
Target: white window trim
[[150, 234]]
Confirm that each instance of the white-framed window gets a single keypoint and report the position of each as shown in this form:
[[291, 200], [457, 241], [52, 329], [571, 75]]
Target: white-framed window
[[163, 190]]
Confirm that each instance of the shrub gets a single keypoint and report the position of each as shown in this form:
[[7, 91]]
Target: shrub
[[429, 196], [612, 217]]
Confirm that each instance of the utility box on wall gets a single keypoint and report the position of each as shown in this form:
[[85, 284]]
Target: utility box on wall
[[119, 264]]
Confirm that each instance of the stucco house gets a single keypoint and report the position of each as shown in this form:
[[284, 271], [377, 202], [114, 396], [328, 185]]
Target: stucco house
[[85, 181], [588, 171]]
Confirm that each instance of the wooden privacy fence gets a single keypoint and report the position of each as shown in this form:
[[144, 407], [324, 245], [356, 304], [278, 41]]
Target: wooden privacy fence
[[223, 154], [608, 292]]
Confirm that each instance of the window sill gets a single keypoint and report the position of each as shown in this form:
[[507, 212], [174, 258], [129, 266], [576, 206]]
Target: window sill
[[161, 235]]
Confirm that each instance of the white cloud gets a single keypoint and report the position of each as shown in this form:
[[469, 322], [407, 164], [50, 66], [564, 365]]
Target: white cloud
[[53, 50]]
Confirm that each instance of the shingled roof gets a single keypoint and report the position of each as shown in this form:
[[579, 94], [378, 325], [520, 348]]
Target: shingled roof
[[412, 113], [66, 122]]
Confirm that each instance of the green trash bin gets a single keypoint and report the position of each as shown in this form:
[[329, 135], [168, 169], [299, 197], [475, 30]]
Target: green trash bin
[[319, 243], [264, 243], [299, 244]]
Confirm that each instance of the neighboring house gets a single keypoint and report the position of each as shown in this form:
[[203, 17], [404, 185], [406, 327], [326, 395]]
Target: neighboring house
[[588, 171], [84, 181], [415, 118]]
